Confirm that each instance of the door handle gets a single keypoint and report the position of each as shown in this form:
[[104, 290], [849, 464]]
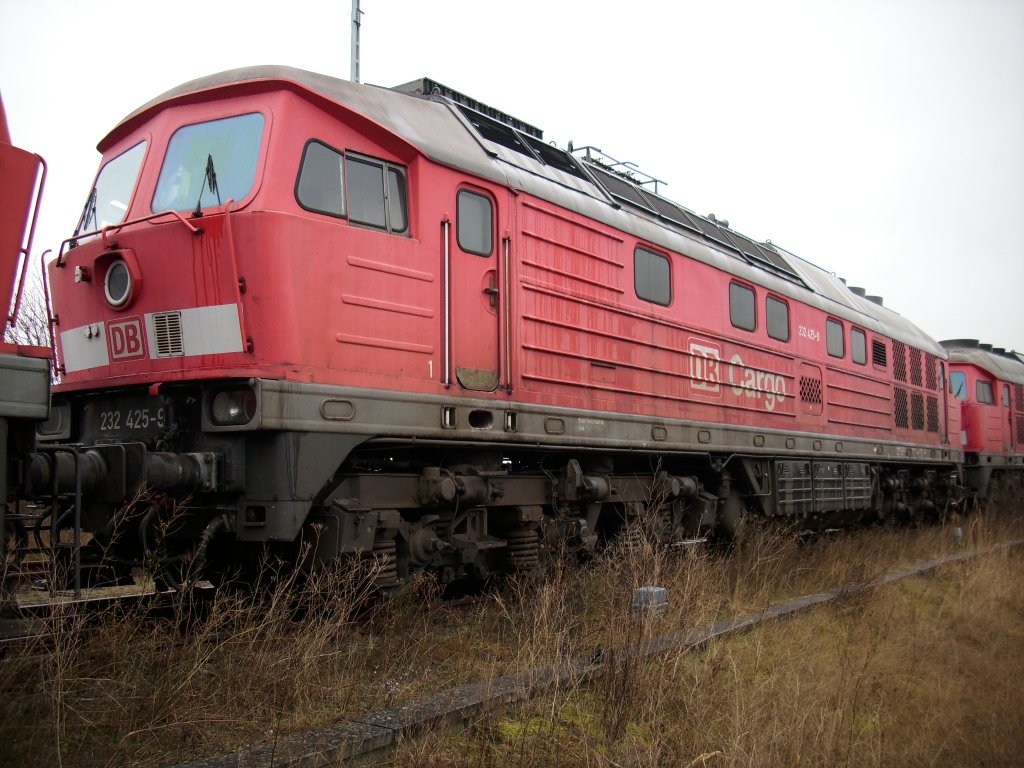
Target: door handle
[[492, 292]]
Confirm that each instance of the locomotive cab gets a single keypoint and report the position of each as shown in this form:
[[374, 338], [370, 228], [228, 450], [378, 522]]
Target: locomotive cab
[[243, 244], [988, 384]]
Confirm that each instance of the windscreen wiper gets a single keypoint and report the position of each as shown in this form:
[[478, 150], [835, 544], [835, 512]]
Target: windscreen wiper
[[88, 213], [209, 182]]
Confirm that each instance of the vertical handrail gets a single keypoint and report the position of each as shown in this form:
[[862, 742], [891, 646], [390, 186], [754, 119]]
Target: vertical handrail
[[50, 319], [27, 250], [507, 306], [239, 290], [945, 403], [446, 377]]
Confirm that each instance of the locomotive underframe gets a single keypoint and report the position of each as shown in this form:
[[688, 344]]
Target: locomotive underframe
[[457, 486]]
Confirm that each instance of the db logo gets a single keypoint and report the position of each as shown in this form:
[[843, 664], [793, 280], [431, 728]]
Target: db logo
[[126, 339]]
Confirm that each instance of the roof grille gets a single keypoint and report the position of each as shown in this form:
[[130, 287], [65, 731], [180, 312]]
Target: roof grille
[[427, 87], [630, 190]]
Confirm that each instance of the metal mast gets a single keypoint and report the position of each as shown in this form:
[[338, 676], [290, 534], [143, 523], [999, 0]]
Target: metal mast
[[356, 13]]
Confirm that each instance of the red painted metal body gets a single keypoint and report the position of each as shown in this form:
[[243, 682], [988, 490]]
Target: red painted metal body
[[989, 388], [396, 321], [19, 196], [557, 322]]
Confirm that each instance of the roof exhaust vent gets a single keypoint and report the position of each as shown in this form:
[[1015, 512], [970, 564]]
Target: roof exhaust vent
[[858, 291], [986, 347], [962, 343], [876, 299]]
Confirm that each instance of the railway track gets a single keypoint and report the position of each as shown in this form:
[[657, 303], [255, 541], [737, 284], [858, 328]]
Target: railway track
[[361, 737]]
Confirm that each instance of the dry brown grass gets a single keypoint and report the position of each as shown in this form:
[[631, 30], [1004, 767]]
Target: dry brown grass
[[927, 671]]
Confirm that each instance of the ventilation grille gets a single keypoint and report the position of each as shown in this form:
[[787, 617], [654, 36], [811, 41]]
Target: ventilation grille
[[167, 328], [1018, 399], [933, 414], [879, 353], [931, 376], [900, 410], [917, 411], [915, 367], [810, 390], [899, 360]]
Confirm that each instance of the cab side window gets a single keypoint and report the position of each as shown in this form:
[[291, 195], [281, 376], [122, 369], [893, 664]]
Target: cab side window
[[858, 346], [652, 277], [475, 225], [321, 185], [834, 338], [365, 190], [958, 384], [777, 314], [742, 307]]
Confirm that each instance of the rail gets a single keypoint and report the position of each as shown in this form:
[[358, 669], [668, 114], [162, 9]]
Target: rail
[[507, 306], [103, 231], [446, 374]]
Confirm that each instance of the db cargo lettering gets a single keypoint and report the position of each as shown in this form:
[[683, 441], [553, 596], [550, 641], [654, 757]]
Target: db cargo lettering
[[756, 384]]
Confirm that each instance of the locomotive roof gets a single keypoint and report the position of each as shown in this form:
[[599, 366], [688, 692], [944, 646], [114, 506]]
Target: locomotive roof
[[462, 133], [1003, 365]]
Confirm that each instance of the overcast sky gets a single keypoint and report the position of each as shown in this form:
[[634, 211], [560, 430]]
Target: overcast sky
[[880, 139]]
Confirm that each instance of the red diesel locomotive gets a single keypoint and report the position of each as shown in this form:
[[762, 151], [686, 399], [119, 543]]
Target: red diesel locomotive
[[329, 319], [989, 384]]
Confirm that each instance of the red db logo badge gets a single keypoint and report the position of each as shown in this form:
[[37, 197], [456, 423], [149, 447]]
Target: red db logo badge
[[126, 339]]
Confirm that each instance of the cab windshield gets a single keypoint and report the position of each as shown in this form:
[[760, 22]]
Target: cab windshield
[[208, 163], [108, 200]]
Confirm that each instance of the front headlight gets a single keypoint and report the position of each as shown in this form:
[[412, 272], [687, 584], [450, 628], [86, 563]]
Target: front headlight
[[118, 284], [233, 407]]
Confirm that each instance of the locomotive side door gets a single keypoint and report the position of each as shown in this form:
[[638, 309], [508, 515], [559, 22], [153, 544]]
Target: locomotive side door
[[475, 291]]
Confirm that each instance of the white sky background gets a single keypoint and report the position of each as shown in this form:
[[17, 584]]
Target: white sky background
[[880, 139]]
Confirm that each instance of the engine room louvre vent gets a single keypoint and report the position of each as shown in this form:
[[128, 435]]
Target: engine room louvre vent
[[917, 411], [1020, 429], [915, 367], [900, 410], [933, 414], [879, 354], [1018, 397], [899, 360], [167, 328], [931, 377]]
